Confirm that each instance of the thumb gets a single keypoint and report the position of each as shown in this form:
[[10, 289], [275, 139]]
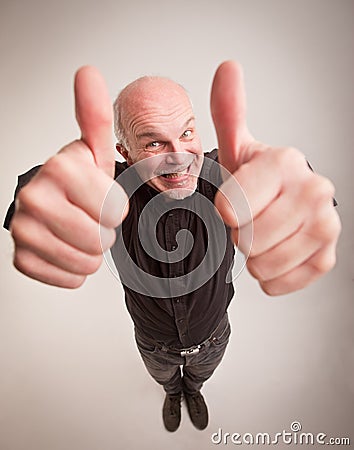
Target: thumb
[[228, 110], [94, 115]]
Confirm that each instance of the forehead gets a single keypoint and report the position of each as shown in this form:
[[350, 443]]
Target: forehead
[[153, 89], [153, 99]]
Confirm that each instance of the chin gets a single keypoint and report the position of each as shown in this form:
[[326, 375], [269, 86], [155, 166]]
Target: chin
[[178, 193]]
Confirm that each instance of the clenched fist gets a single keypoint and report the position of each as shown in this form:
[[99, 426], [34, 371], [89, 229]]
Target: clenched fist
[[295, 226], [57, 222]]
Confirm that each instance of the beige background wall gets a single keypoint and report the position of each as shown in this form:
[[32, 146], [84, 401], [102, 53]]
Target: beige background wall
[[70, 377]]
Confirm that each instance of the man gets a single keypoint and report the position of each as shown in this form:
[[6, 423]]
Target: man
[[64, 203]]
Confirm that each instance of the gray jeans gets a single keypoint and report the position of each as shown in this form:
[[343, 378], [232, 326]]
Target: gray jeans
[[187, 373]]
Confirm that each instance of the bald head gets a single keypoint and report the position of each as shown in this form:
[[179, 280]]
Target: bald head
[[154, 117], [145, 97]]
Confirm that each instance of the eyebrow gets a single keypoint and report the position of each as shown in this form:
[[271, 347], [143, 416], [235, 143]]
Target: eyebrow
[[156, 135]]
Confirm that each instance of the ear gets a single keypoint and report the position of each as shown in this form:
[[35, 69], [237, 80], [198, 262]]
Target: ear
[[124, 152]]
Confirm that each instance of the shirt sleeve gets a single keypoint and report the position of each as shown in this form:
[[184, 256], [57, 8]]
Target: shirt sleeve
[[22, 180]]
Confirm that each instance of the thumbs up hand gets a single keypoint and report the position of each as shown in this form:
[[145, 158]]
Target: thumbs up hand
[[295, 226], [57, 223]]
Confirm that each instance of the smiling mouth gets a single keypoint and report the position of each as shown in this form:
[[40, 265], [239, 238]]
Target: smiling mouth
[[174, 175]]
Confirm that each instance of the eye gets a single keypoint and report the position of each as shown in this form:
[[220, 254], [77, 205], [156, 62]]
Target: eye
[[153, 145], [187, 134]]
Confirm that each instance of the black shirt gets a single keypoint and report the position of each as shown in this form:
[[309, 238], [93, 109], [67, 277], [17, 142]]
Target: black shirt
[[177, 283]]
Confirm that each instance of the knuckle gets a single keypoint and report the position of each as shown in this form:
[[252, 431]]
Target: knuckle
[[253, 251], [20, 229], [256, 269], [337, 225], [93, 243], [322, 187], [108, 238], [318, 190], [57, 166], [270, 288], [15, 227], [292, 154], [334, 226], [325, 262], [22, 261], [17, 231], [326, 225], [27, 197], [77, 152], [74, 282], [90, 265], [33, 198], [289, 157]]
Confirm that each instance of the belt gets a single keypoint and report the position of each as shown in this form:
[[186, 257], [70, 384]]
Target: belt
[[195, 349]]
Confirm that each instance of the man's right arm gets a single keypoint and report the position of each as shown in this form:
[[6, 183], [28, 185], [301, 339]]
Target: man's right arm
[[59, 225]]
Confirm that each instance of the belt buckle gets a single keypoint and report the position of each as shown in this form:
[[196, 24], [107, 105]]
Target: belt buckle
[[190, 351]]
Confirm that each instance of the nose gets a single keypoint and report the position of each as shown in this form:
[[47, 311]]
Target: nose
[[176, 146], [176, 158], [176, 154]]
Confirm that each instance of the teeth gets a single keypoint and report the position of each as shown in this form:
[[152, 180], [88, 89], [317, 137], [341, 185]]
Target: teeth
[[176, 174]]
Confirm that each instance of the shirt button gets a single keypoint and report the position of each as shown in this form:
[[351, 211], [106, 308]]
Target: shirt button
[[174, 247], [180, 320], [170, 214]]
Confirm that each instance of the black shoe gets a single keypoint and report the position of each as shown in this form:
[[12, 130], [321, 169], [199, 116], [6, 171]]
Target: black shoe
[[198, 411], [171, 412]]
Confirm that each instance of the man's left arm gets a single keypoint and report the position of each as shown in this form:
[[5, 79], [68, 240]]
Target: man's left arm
[[295, 226]]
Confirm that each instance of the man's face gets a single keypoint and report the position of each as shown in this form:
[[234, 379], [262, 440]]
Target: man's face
[[160, 128]]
